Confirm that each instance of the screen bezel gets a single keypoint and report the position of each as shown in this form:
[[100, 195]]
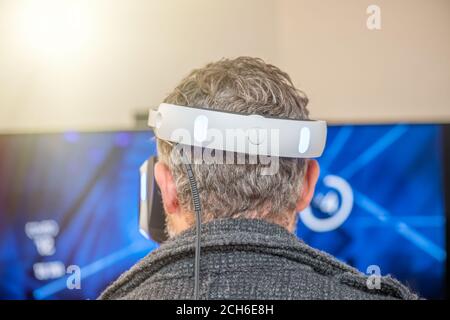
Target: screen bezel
[[446, 186]]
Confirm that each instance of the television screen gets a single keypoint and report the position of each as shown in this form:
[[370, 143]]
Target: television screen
[[379, 204], [69, 206]]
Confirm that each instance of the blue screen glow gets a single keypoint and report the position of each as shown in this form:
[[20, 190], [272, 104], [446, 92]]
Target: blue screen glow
[[69, 202]]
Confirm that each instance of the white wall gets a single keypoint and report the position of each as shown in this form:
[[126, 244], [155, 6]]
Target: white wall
[[109, 58], [132, 53], [398, 73]]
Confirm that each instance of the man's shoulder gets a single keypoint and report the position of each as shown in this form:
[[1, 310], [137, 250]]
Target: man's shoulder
[[319, 278], [245, 259], [311, 269], [252, 275], [278, 279], [346, 285]]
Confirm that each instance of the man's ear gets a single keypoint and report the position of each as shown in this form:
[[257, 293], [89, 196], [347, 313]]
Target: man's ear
[[166, 184], [308, 185]]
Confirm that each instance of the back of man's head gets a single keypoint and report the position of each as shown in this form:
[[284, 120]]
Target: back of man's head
[[249, 86]]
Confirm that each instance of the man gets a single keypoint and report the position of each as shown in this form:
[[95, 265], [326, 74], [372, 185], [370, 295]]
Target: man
[[248, 246]]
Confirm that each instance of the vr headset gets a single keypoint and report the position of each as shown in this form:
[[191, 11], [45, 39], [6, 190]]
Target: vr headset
[[200, 127], [152, 222]]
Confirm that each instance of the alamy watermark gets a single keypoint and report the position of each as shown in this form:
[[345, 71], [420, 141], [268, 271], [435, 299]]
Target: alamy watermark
[[373, 21], [374, 279], [258, 146], [74, 279]]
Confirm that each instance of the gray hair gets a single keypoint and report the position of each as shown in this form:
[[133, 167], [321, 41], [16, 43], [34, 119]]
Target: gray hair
[[249, 86]]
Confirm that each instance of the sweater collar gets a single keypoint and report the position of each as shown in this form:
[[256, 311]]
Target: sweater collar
[[228, 235], [247, 235], [227, 227]]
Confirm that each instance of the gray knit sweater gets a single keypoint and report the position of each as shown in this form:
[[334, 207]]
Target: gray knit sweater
[[246, 259]]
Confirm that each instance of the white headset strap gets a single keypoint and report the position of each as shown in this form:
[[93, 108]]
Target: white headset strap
[[251, 134]]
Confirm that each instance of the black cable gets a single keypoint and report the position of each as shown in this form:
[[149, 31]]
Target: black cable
[[198, 214]]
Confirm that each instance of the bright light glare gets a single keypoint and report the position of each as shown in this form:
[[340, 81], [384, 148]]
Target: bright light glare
[[54, 26]]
